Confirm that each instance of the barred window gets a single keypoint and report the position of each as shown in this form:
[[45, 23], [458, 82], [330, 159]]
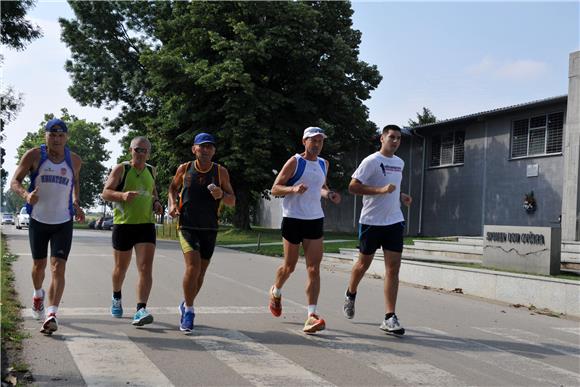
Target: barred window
[[538, 135], [447, 149]]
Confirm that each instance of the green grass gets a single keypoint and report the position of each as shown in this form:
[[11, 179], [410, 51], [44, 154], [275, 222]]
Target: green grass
[[11, 327]]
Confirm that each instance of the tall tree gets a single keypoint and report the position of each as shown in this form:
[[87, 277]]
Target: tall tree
[[425, 117], [15, 32], [84, 139], [253, 73]]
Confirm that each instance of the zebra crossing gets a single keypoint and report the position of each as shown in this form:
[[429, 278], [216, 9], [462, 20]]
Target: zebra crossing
[[502, 356]]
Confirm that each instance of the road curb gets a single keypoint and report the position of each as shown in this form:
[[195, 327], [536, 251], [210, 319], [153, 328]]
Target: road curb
[[560, 296]]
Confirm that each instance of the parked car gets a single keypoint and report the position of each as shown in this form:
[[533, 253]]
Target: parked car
[[7, 218], [101, 220], [107, 224], [22, 219]]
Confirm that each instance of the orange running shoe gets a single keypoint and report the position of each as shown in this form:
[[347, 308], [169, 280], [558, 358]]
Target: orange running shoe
[[275, 304], [314, 324]]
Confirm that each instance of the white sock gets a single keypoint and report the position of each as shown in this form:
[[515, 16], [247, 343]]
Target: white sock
[[276, 292], [38, 293], [311, 309], [189, 308], [52, 309]]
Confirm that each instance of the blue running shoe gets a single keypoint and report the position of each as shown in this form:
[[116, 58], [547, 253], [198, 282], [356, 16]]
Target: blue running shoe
[[116, 308], [186, 319], [142, 317]]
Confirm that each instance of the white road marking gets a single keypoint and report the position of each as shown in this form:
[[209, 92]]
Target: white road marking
[[530, 338], [574, 331], [113, 361], [168, 310], [370, 354], [254, 361], [524, 367]]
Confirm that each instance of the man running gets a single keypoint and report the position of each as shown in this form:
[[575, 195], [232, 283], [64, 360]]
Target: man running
[[52, 201], [195, 194], [378, 179], [302, 182], [131, 186]]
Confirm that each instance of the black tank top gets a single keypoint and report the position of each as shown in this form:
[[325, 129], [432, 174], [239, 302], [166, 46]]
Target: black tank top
[[198, 209]]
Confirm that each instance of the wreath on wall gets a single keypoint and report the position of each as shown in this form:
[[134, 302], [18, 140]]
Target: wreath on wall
[[530, 204]]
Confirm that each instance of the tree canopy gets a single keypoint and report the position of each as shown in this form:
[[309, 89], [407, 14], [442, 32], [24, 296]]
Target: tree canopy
[[425, 117], [255, 74], [84, 139]]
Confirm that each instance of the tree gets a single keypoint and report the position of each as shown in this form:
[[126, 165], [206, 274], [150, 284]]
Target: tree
[[253, 73], [13, 201], [84, 139], [15, 32], [426, 117]]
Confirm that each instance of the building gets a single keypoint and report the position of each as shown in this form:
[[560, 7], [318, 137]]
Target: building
[[479, 169]]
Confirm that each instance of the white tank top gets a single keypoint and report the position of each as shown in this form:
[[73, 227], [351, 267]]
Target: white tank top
[[54, 182], [306, 205]]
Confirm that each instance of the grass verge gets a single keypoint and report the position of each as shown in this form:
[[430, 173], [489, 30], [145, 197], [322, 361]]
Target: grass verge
[[14, 370]]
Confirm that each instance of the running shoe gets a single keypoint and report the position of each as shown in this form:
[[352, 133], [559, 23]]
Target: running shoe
[[392, 326], [275, 304], [38, 307], [186, 321], [314, 324], [348, 307], [116, 308], [142, 317], [50, 325]]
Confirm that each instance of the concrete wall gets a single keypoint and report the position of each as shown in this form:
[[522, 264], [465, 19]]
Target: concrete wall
[[507, 182], [489, 187]]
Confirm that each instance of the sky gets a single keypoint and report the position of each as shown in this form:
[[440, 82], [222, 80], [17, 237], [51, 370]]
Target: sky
[[455, 58]]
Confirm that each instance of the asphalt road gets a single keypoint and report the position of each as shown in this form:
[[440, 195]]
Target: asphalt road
[[451, 339]]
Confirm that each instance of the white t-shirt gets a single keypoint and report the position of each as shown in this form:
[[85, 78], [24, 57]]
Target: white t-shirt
[[377, 170], [308, 204]]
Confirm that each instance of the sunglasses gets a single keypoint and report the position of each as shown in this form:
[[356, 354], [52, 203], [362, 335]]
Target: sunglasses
[[141, 150]]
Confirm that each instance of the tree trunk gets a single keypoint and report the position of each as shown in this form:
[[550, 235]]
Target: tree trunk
[[242, 210]]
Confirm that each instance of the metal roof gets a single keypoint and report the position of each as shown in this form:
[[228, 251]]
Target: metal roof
[[487, 113]]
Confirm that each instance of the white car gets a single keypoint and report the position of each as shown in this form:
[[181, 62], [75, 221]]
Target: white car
[[22, 219]]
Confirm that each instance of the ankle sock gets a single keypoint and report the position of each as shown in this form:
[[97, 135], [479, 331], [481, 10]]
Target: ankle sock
[[38, 293], [350, 295], [51, 309], [389, 315], [311, 309], [141, 305], [276, 292], [117, 295]]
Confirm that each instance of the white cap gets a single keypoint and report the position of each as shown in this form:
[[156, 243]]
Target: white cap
[[312, 131]]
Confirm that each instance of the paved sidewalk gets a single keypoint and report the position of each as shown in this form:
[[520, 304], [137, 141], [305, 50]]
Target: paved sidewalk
[[280, 243]]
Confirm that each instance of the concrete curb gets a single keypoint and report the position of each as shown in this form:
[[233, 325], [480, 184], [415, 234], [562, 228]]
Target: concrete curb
[[557, 295]]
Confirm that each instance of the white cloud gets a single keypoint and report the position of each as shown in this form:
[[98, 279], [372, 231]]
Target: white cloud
[[520, 69]]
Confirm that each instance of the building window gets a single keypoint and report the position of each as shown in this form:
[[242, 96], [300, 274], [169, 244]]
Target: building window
[[539, 135], [447, 149]]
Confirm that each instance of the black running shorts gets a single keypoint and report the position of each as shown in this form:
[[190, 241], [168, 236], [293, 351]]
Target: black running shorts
[[295, 230], [388, 237], [59, 236], [125, 236], [198, 240]]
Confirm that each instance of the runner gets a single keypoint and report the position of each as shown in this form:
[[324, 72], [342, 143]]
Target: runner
[[302, 182], [131, 186], [195, 194], [378, 179], [52, 201]]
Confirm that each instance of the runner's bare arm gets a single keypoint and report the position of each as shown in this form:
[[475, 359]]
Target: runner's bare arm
[[174, 188], [228, 197], [28, 163], [357, 188], [280, 188]]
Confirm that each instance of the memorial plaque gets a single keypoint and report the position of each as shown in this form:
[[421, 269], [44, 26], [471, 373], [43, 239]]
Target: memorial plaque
[[525, 249]]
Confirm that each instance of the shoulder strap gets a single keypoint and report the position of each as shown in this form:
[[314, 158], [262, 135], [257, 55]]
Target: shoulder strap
[[34, 174], [299, 171], [322, 163], [126, 168], [152, 170]]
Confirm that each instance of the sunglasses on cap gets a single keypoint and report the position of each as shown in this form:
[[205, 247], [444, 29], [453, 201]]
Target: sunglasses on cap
[[141, 150]]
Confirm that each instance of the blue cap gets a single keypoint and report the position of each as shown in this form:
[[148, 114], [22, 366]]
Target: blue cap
[[56, 125], [204, 138]]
